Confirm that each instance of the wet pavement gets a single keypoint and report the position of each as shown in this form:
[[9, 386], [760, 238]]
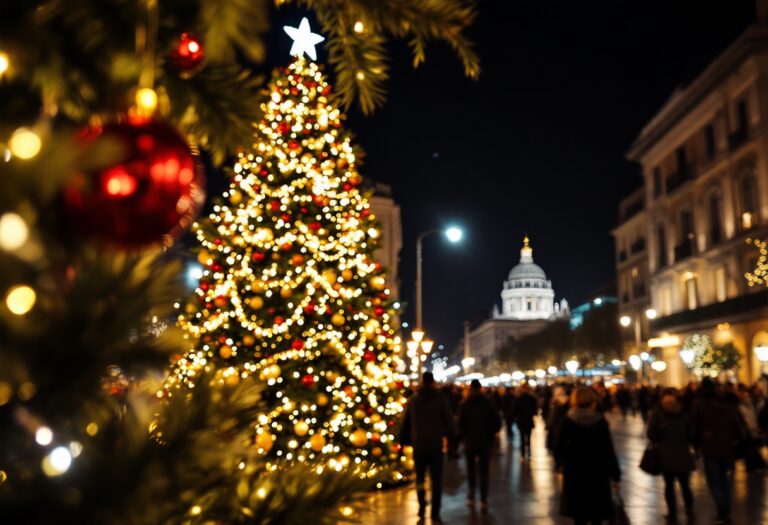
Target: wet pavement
[[528, 492]]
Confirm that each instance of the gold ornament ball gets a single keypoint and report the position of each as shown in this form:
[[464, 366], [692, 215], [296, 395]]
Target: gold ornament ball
[[225, 352], [375, 418], [235, 197], [317, 442], [347, 275], [322, 400], [378, 283], [301, 428], [256, 303], [332, 376], [265, 441], [203, 256], [338, 319], [249, 340], [329, 276], [359, 414], [232, 380], [376, 452], [286, 292], [359, 438]]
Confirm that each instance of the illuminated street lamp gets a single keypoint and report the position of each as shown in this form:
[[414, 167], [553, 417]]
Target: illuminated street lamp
[[454, 235], [572, 366], [626, 320], [467, 362]]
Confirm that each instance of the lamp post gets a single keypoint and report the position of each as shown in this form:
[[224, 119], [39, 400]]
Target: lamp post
[[572, 366], [454, 235], [625, 321]]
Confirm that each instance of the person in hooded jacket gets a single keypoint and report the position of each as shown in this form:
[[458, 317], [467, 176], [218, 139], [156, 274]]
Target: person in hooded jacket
[[672, 432], [584, 449], [427, 420], [479, 422], [525, 409]]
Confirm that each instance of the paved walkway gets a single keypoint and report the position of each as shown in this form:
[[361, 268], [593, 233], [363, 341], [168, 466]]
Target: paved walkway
[[528, 492]]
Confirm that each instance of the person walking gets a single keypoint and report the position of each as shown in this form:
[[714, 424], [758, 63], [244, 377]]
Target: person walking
[[672, 431], [644, 401], [525, 409], [556, 415], [479, 422], [427, 420], [753, 435], [584, 449], [718, 428], [624, 400], [507, 406]]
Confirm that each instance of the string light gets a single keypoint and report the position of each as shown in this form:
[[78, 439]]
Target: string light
[[146, 101], [24, 143], [20, 299], [13, 232]]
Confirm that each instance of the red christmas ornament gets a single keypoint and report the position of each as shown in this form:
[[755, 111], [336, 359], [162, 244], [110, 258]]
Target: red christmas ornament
[[308, 380], [314, 226], [286, 246], [274, 205], [283, 127], [152, 194], [297, 344], [304, 211], [285, 217], [379, 311], [279, 320], [258, 256], [369, 356], [292, 144], [366, 212], [310, 308], [187, 55], [348, 186]]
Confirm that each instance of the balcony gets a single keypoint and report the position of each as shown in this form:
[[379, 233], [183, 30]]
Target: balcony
[[737, 138], [678, 178], [684, 249], [637, 246], [750, 306]]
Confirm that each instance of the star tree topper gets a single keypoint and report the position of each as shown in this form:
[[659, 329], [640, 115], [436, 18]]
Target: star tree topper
[[304, 40]]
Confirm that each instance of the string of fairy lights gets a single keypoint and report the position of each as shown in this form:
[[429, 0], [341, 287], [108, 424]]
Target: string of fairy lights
[[290, 292]]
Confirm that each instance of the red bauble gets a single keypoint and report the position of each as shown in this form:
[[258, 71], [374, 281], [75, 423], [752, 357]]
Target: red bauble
[[379, 311], [152, 194], [297, 344], [285, 217], [187, 55], [274, 205], [279, 320], [292, 144], [258, 256], [315, 226], [369, 356], [308, 380], [283, 127], [309, 309]]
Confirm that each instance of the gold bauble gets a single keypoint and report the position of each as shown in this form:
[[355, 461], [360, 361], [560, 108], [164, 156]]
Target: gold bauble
[[235, 197], [232, 380], [329, 276], [225, 352], [317, 442], [203, 257], [359, 438], [338, 319], [375, 418], [322, 400], [378, 283], [331, 376], [264, 441], [256, 303], [249, 340], [347, 275], [301, 428], [376, 452], [286, 292], [359, 414]]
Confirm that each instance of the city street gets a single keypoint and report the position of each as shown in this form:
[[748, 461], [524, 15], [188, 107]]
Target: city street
[[528, 492]]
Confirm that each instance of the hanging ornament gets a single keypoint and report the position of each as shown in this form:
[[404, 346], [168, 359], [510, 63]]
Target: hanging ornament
[[338, 320], [301, 428], [322, 399], [156, 187], [225, 352], [359, 438], [187, 56], [264, 441], [317, 442], [369, 356], [308, 380]]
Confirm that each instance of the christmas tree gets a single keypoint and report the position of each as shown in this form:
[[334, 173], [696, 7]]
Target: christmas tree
[[291, 293]]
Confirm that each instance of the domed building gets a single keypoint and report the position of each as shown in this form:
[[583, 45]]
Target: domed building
[[527, 294], [527, 305]]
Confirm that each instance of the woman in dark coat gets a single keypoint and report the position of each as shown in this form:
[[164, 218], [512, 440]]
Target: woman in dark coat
[[672, 432], [584, 449]]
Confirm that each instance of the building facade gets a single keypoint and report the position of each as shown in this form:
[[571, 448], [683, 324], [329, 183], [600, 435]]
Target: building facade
[[387, 212], [704, 161], [527, 305], [632, 273]]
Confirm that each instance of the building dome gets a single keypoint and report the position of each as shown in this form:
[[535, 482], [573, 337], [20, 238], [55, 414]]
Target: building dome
[[526, 269]]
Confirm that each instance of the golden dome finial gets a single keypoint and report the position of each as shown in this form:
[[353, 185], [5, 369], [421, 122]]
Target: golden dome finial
[[526, 254], [526, 241]]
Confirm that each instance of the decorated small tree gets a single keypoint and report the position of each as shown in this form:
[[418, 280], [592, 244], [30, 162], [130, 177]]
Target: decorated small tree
[[291, 292], [709, 359]]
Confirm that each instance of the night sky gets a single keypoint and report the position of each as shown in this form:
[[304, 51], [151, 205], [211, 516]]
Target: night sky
[[535, 145]]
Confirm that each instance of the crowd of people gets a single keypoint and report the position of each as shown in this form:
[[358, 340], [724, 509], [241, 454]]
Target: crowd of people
[[717, 422]]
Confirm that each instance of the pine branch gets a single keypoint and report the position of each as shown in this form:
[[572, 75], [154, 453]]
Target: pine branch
[[231, 25]]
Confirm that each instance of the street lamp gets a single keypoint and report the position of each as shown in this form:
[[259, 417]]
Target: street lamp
[[552, 370], [572, 366], [626, 320], [454, 235], [761, 351]]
